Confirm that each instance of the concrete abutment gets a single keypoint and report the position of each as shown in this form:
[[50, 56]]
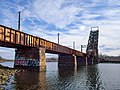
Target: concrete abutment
[[30, 58], [66, 60], [81, 61], [72, 60], [34, 58], [92, 60]]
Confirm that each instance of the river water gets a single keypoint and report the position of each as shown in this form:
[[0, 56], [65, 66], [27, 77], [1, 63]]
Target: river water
[[97, 77]]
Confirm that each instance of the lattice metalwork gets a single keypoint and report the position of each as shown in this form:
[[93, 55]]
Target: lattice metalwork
[[92, 47]]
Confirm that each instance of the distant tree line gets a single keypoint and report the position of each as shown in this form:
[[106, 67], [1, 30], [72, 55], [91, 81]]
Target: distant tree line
[[109, 58], [52, 59], [3, 59]]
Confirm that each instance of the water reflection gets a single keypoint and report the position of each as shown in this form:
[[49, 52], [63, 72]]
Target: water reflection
[[96, 77], [84, 77], [30, 80], [65, 72], [94, 81], [67, 78], [72, 78], [42, 81]]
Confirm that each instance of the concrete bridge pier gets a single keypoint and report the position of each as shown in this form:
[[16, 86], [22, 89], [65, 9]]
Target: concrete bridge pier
[[42, 59], [81, 61], [30, 58], [67, 60], [92, 60], [95, 60]]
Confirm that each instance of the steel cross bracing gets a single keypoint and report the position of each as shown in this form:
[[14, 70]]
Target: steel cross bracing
[[92, 47]]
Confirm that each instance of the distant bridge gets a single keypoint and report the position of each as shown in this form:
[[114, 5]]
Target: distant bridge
[[30, 50]]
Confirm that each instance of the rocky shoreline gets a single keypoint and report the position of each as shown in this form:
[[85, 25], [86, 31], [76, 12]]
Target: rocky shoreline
[[5, 73]]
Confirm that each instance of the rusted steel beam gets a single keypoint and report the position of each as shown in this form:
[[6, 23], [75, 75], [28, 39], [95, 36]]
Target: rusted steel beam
[[20, 39]]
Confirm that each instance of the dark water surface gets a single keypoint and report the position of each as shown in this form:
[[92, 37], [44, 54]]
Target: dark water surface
[[97, 77]]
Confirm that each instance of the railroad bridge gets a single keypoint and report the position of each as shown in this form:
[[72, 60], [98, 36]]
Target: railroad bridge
[[30, 50]]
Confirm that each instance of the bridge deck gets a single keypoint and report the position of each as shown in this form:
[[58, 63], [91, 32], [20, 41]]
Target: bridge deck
[[16, 39]]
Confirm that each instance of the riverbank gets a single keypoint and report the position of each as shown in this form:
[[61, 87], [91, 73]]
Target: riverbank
[[110, 62], [5, 60], [5, 73]]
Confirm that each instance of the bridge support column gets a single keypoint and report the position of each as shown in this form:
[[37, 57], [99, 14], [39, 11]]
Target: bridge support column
[[92, 60], [95, 60], [42, 59], [86, 61], [81, 61], [30, 58], [67, 60]]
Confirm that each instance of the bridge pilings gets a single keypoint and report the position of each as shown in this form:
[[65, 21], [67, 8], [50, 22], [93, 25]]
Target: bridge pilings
[[81, 61], [42, 59], [92, 60], [95, 60], [84, 60], [72, 60], [30, 58], [66, 60]]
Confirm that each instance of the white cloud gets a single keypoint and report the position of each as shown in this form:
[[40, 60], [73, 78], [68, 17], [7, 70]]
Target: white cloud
[[62, 13], [111, 52], [9, 19], [82, 28], [51, 12], [26, 13], [113, 2]]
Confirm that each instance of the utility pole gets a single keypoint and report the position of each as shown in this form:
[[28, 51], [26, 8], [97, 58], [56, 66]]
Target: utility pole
[[74, 45], [81, 47], [19, 21], [58, 38]]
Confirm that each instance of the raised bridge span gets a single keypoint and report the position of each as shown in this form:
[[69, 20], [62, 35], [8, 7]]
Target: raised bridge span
[[30, 50]]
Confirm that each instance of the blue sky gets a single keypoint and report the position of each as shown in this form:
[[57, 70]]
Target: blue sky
[[73, 19]]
